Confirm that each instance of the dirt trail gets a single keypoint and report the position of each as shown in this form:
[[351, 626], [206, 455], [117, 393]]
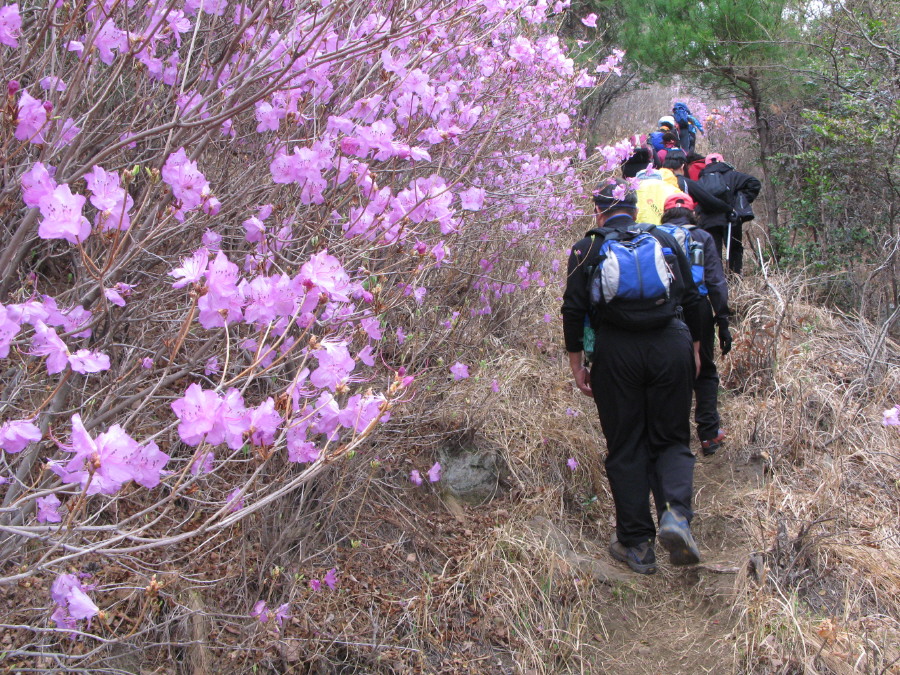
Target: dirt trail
[[679, 621]]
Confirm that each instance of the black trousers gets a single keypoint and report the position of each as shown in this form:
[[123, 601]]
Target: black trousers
[[706, 386], [642, 384], [736, 254]]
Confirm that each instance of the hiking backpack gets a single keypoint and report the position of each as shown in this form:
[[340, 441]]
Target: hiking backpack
[[630, 285], [715, 185], [693, 250], [656, 140], [684, 119]]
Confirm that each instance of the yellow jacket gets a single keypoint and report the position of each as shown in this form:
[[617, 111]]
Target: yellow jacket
[[651, 197], [670, 177]]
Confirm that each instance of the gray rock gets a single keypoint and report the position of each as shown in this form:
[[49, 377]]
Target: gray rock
[[472, 476]]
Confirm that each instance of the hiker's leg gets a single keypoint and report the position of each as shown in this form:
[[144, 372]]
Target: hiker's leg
[[617, 379], [706, 386], [668, 396], [718, 235], [736, 261]]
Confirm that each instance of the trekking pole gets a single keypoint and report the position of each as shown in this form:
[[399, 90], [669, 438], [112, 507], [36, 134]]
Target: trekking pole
[[728, 245], [762, 263]]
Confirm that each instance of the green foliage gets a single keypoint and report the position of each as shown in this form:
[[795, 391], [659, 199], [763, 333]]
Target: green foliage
[[725, 43]]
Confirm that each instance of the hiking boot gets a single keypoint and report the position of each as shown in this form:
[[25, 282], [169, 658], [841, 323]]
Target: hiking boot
[[675, 536], [710, 446], [641, 558]]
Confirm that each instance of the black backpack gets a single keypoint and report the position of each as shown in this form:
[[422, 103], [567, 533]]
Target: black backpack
[[715, 185]]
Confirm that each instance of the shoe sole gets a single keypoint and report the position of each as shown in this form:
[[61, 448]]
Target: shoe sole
[[680, 550], [649, 568]]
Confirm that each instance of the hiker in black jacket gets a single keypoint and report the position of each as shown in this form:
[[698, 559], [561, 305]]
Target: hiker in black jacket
[[641, 382], [715, 219], [714, 313], [643, 155]]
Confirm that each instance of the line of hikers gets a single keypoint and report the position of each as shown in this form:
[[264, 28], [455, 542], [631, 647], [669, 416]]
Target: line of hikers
[[645, 293]]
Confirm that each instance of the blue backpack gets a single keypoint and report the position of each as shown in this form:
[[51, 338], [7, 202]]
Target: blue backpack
[[694, 252], [631, 282], [684, 119]]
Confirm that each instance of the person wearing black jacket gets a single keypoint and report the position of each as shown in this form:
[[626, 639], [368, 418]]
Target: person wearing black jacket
[[714, 313], [714, 219], [641, 382]]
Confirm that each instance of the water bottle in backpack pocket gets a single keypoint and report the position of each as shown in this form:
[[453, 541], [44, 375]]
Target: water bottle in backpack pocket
[[631, 283], [693, 251]]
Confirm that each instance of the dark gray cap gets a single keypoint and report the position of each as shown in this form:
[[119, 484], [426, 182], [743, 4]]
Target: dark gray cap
[[615, 194]]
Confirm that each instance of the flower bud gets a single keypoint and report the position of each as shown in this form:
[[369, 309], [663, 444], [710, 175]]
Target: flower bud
[[48, 106], [12, 87]]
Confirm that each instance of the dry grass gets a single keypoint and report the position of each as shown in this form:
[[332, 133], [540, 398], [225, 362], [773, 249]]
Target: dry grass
[[824, 594]]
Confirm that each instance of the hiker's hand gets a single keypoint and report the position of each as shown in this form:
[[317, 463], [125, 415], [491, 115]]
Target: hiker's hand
[[724, 334], [580, 372], [583, 380], [697, 359]]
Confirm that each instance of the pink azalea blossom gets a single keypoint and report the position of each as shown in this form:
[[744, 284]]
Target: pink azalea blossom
[[189, 185], [231, 421], [331, 578], [53, 82], [235, 501], [590, 20], [260, 611], [325, 273], [112, 459], [300, 449], [192, 269], [117, 294], [147, 363], [47, 509], [72, 602], [62, 218], [335, 365], [212, 366], [472, 199], [459, 370], [495, 386], [37, 182], [46, 342], [31, 120], [16, 435], [282, 613], [203, 463], [366, 355], [572, 463], [197, 411], [85, 361], [891, 416], [434, 473], [9, 328], [264, 422], [415, 477], [315, 584], [10, 25]]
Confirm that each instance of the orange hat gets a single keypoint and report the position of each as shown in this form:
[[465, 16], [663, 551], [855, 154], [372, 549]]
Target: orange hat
[[677, 199]]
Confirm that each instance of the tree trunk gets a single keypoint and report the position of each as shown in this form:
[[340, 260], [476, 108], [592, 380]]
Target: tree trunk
[[765, 151]]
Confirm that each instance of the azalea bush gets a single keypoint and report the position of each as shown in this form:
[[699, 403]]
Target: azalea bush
[[236, 238]]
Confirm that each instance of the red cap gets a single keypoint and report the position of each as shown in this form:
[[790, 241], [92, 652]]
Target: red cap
[[714, 157], [677, 199]]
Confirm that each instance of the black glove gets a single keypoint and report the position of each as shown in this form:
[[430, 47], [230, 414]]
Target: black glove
[[724, 334]]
